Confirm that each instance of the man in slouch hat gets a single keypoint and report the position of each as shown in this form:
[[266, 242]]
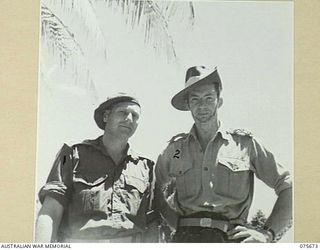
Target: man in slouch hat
[[205, 178]]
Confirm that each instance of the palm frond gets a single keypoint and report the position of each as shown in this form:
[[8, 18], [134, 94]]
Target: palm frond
[[57, 36], [60, 43], [71, 31], [192, 13], [80, 15], [156, 17]]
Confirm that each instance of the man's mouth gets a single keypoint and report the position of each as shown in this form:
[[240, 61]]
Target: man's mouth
[[126, 126]]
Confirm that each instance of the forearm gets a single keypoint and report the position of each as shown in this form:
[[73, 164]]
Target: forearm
[[170, 215], [162, 206], [281, 214], [46, 231], [48, 221]]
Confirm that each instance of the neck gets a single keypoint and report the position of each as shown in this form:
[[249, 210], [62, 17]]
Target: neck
[[206, 131], [115, 146]]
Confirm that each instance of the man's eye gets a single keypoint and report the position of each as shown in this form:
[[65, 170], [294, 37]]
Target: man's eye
[[193, 100], [210, 98]]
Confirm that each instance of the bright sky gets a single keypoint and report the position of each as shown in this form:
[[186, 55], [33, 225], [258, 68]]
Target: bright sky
[[251, 43]]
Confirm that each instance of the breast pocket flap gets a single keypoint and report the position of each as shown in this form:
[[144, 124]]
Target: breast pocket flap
[[234, 164], [91, 184]]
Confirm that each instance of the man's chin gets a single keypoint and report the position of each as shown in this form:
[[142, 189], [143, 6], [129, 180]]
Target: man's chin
[[124, 136], [126, 132], [204, 119]]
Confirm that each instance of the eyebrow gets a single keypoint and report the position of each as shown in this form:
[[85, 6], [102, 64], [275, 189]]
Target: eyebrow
[[195, 95]]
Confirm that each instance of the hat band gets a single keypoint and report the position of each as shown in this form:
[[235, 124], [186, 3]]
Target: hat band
[[124, 99]]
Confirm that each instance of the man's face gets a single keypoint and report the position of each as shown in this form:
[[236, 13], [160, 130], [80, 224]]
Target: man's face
[[203, 103], [122, 119]]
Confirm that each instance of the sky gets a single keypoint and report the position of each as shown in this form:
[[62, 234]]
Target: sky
[[251, 43]]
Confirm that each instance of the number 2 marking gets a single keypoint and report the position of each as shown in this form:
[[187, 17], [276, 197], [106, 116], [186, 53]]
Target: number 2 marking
[[176, 155]]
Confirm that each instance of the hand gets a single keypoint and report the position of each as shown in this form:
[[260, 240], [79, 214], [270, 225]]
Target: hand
[[251, 235]]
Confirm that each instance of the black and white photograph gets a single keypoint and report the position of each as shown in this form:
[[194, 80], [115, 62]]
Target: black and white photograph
[[165, 122]]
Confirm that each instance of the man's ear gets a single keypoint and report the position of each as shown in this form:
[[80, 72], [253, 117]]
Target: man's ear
[[220, 102], [186, 99], [105, 115]]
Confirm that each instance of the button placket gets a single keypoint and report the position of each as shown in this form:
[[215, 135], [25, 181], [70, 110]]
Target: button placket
[[205, 173], [208, 166]]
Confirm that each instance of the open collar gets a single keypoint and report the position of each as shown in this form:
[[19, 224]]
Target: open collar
[[222, 130], [97, 143]]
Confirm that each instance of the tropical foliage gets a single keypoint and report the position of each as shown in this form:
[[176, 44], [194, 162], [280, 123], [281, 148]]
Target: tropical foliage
[[71, 31], [259, 219]]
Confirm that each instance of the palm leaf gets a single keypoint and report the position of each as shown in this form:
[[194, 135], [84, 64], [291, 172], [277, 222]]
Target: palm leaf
[[63, 23], [156, 17], [80, 16], [57, 36], [60, 43]]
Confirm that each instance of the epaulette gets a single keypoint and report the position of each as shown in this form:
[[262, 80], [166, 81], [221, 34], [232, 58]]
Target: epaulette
[[76, 143], [86, 141], [177, 137], [240, 131]]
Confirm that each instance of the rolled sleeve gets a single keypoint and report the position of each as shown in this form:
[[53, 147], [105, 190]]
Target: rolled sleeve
[[268, 170], [165, 191], [163, 178], [161, 171], [59, 182]]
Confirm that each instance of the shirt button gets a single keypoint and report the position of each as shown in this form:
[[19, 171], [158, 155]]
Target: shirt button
[[206, 168]]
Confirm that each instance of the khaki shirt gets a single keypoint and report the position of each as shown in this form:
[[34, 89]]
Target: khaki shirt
[[219, 179], [101, 200]]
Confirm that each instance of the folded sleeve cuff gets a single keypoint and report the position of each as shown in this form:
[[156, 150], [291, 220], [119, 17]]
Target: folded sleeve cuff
[[56, 190], [284, 183]]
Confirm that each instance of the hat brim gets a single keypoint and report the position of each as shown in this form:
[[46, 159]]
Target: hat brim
[[99, 112], [180, 102]]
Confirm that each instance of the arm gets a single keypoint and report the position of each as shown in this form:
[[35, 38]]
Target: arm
[[279, 219], [282, 212], [48, 221], [275, 176], [54, 196], [161, 203], [168, 214]]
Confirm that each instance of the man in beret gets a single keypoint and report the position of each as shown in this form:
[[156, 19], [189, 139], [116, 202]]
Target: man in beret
[[205, 178], [99, 190]]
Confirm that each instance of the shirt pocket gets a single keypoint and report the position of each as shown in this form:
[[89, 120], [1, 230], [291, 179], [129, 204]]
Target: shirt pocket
[[136, 190], [186, 179], [233, 178], [92, 197]]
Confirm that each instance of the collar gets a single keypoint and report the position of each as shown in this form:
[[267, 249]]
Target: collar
[[222, 130], [225, 134], [97, 143]]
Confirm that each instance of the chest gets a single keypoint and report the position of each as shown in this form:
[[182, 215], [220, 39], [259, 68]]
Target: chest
[[230, 154], [91, 169], [101, 186]]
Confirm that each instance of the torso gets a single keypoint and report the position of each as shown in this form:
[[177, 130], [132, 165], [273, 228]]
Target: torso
[[107, 200]]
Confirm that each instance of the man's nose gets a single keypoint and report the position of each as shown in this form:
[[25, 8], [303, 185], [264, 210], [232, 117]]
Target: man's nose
[[201, 102], [130, 117]]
